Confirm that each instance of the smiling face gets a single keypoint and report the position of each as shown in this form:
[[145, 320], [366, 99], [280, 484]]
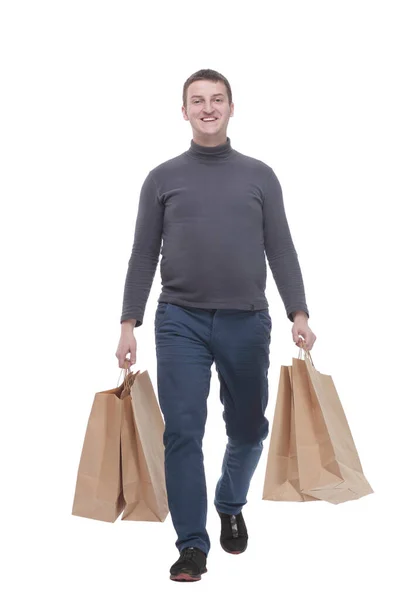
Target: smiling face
[[208, 99]]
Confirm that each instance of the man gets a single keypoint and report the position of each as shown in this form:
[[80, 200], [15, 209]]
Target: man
[[216, 212]]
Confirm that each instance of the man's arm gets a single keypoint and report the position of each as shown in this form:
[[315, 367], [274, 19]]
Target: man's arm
[[145, 254], [280, 250]]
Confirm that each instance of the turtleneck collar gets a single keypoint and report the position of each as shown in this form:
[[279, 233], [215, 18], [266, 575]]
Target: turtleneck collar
[[221, 151]]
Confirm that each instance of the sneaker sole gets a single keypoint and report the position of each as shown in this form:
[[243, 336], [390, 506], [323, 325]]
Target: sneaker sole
[[186, 576], [234, 551]]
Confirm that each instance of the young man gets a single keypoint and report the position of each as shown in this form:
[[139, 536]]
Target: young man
[[216, 211]]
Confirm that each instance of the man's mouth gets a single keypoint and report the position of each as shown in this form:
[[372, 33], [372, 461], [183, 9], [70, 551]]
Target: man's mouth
[[209, 120]]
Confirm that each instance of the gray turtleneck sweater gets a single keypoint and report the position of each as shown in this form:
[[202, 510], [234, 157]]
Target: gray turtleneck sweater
[[215, 211]]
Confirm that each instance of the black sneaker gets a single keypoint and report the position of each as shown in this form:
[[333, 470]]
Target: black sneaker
[[234, 535], [190, 565]]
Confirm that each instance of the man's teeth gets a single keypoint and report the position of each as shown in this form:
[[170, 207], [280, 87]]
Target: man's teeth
[[208, 119]]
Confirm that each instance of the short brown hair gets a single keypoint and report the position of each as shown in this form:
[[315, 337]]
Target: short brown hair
[[210, 75]]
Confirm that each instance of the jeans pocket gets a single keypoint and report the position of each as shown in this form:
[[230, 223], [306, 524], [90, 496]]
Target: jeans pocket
[[264, 317], [161, 313]]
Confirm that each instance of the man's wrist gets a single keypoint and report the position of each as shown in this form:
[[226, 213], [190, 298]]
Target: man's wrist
[[299, 314], [128, 324]]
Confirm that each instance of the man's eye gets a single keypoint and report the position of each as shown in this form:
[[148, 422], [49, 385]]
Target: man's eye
[[195, 101]]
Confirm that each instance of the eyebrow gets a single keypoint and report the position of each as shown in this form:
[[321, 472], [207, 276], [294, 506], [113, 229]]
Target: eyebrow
[[197, 96]]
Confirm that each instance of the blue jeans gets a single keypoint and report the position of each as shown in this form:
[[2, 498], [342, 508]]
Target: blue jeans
[[188, 341]]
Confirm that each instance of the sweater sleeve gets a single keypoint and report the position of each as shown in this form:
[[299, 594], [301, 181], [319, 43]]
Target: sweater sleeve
[[280, 250], [145, 253]]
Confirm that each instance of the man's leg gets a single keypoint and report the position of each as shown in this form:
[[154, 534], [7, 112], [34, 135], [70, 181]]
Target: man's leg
[[183, 379], [240, 345]]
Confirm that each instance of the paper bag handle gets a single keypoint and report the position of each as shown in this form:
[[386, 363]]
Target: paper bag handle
[[127, 372], [307, 353]]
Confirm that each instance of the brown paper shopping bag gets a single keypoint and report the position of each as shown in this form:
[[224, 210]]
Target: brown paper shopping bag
[[98, 490], [282, 475], [329, 465], [122, 459], [143, 474]]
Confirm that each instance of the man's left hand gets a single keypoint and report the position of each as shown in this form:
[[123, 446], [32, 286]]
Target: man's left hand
[[301, 328]]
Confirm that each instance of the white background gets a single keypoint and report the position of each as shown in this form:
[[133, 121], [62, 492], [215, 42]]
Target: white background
[[91, 101]]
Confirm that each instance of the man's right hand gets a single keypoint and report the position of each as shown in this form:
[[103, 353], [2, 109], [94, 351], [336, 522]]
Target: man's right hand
[[127, 344]]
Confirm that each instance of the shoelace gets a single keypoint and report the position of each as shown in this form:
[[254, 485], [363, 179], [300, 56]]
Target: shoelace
[[234, 525], [235, 532], [189, 552]]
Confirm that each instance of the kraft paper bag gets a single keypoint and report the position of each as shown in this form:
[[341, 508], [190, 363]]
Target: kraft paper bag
[[98, 490], [329, 465], [122, 459], [282, 474], [143, 473]]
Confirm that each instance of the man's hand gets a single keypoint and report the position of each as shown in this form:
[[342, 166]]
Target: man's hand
[[301, 328], [127, 344]]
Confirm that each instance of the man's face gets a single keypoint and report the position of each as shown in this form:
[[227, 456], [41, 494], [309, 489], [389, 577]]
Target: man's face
[[208, 99]]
